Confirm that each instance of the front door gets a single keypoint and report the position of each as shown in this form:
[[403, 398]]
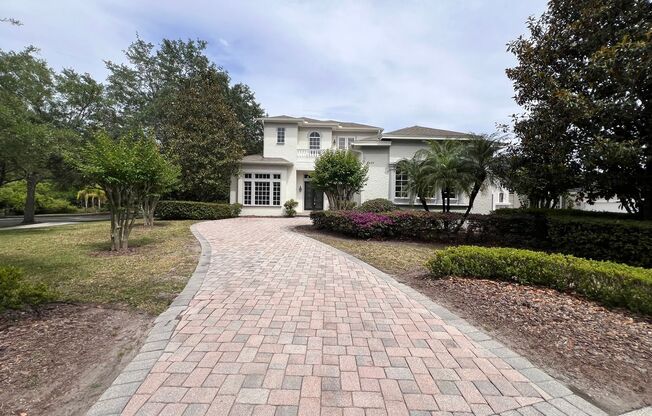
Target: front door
[[313, 200]]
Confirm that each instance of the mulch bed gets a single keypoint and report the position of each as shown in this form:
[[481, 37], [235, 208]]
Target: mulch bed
[[56, 360], [603, 354]]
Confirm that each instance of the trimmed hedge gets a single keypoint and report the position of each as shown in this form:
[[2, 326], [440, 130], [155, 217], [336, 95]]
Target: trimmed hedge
[[377, 205], [190, 210], [609, 283], [15, 293], [413, 225], [599, 238]]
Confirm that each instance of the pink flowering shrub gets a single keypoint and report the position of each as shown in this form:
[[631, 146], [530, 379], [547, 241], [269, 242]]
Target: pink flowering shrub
[[413, 225]]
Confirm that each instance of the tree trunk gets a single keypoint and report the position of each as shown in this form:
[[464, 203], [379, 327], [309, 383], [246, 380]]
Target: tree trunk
[[443, 200], [30, 201], [424, 203], [149, 206], [474, 194]]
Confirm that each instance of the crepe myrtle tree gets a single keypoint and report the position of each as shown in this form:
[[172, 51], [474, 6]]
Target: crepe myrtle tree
[[339, 174], [132, 172]]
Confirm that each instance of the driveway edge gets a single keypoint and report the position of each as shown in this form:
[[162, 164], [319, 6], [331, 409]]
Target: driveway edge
[[115, 398]]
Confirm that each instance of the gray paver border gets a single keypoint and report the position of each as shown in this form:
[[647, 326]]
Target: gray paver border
[[559, 392], [115, 398]]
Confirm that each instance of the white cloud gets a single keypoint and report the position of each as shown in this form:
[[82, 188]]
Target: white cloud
[[387, 63]]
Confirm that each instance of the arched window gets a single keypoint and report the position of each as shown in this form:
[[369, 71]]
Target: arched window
[[314, 139]]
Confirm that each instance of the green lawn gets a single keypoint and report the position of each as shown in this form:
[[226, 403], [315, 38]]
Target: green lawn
[[393, 257], [75, 262]]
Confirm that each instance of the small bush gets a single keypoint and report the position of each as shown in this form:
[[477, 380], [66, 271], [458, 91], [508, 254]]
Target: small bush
[[15, 293], [609, 283], [189, 210], [377, 205], [290, 208]]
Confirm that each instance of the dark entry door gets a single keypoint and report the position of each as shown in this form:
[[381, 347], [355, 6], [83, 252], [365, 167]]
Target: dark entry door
[[313, 200]]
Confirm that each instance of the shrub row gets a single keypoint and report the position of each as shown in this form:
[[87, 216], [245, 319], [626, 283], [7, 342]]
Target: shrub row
[[16, 293], [600, 238], [190, 210], [414, 225], [609, 283]]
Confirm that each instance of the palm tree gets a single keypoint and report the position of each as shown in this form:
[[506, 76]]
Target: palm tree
[[445, 169], [478, 158], [418, 185]]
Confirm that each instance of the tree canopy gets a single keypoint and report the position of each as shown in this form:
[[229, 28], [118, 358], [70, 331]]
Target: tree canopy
[[584, 80], [339, 174]]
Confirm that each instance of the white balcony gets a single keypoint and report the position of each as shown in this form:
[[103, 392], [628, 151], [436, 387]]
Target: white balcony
[[309, 154]]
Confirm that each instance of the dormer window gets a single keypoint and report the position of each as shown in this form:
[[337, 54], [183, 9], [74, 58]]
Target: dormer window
[[280, 135], [314, 140]]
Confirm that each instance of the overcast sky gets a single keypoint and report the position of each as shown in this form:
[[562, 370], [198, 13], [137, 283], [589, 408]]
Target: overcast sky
[[438, 63]]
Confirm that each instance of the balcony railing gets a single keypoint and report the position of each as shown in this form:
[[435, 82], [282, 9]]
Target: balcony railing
[[309, 153]]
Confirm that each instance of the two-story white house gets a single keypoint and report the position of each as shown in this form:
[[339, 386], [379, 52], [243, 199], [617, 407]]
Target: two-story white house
[[291, 145]]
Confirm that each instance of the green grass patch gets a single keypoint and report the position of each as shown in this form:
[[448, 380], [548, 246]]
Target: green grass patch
[[75, 264]]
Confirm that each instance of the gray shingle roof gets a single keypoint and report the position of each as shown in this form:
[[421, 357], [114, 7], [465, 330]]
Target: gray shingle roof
[[314, 120], [420, 131]]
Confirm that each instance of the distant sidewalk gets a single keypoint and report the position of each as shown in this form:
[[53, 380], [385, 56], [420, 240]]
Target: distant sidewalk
[[49, 220]]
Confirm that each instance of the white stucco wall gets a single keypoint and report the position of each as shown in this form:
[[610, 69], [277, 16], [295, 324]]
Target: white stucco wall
[[287, 151], [378, 184]]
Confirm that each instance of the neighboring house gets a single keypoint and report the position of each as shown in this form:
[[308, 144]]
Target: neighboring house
[[291, 145]]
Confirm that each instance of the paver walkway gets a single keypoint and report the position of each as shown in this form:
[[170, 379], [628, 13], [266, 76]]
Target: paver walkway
[[275, 323]]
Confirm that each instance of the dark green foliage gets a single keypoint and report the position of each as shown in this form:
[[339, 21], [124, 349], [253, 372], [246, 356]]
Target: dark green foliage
[[608, 283], [377, 205], [190, 210], [49, 200], [16, 293], [584, 80], [595, 235]]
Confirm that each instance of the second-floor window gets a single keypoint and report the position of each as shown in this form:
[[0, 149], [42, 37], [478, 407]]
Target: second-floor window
[[344, 143], [314, 141], [280, 135]]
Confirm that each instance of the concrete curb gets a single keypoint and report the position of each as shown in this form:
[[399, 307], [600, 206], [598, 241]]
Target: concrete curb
[[116, 397]]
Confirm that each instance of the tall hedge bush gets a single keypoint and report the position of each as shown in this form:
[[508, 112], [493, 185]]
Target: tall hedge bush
[[190, 210], [609, 283]]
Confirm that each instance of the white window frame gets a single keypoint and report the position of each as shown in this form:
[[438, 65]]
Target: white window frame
[[253, 184], [347, 140], [403, 193], [280, 135], [314, 135]]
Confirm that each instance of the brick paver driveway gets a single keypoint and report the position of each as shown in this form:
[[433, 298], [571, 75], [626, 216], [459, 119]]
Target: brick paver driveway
[[275, 323]]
